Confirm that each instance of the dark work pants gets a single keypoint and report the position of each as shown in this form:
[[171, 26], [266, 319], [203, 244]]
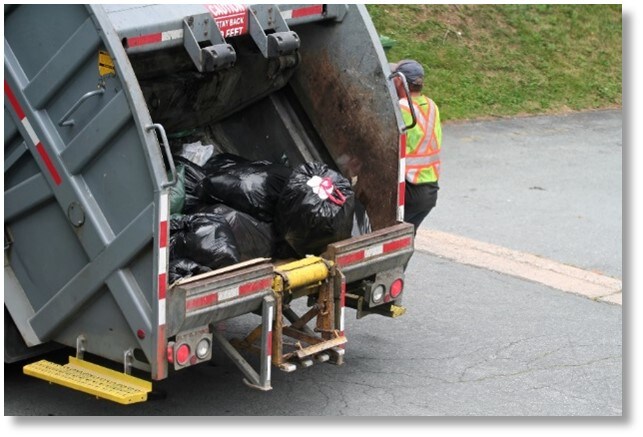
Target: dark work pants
[[419, 200]]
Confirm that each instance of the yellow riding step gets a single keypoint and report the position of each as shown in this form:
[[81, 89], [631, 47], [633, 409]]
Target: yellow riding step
[[92, 379]]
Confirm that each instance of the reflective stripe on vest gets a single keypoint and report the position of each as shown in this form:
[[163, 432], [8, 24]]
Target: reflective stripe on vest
[[423, 160]]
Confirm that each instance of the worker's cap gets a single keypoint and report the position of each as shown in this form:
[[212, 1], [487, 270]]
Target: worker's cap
[[412, 70]]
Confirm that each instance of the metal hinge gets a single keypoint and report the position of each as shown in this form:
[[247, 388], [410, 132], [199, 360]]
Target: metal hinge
[[281, 42], [215, 57]]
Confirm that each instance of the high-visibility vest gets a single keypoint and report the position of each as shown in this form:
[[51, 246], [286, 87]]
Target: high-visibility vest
[[423, 142]]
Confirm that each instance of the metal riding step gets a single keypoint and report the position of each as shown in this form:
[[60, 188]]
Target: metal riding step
[[92, 379]]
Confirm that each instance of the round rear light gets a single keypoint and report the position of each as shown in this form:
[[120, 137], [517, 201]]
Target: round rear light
[[396, 288], [378, 293], [202, 348], [182, 354]]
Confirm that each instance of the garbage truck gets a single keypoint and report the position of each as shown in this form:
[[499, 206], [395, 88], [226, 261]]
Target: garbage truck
[[95, 96]]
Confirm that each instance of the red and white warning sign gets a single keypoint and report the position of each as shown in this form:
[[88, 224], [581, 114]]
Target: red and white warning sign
[[232, 19]]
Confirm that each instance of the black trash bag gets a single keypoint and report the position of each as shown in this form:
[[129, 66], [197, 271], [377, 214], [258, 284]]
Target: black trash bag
[[315, 208], [250, 187], [184, 268], [361, 222], [255, 239], [222, 161], [193, 175], [204, 238], [284, 251]]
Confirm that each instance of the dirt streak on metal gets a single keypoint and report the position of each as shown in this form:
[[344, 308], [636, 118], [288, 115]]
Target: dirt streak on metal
[[351, 126]]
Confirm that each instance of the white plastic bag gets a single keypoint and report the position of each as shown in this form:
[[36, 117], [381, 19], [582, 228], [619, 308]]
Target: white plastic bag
[[197, 153]]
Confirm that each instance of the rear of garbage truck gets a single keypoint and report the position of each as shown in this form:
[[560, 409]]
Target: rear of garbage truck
[[97, 98]]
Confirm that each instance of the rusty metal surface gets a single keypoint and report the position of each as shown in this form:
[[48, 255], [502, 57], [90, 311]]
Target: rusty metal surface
[[288, 354], [343, 88]]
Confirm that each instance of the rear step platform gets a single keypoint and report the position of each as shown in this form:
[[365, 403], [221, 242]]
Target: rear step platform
[[92, 379]]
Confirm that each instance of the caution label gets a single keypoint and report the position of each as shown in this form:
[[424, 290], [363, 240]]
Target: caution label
[[105, 64], [232, 19]]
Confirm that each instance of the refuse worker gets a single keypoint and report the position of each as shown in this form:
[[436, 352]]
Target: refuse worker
[[423, 143]]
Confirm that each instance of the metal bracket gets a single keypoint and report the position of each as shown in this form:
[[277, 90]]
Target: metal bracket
[[215, 57], [80, 346], [128, 358], [260, 380], [280, 43]]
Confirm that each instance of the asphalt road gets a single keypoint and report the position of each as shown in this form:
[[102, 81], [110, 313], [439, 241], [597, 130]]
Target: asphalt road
[[473, 342], [550, 186]]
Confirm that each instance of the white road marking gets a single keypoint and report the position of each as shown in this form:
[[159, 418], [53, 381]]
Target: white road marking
[[523, 265]]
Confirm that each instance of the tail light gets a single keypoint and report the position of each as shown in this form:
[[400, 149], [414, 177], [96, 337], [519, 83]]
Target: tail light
[[182, 354], [190, 348], [396, 288]]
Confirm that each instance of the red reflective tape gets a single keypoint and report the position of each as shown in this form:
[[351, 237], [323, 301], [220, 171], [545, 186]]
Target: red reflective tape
[[162, 285], [401, 192], [213, 298], [201, 301], [14, 102], [310, 10], [253, 287], [397, 244], [390, 246], [50, 166], [136, 41], [350, 258], [163, 234], [39, 147], [269, 344]]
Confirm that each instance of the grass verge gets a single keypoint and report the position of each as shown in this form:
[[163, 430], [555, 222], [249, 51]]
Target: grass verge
[[502, 60]]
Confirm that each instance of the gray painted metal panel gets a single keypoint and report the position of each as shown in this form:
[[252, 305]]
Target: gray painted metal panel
[[26, 195], [94, 136], [22, 169], [104, 322], [47, 250], [10, 129], [16, 299], [92, 241], [131, 20], [13, 156], [109, 178], [136, 20], [80, 289], [61, 67], [36, 43]]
